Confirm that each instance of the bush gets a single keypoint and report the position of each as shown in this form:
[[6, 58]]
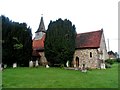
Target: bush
[[110, 61], [88, 68], [107, 65], [118, 60]]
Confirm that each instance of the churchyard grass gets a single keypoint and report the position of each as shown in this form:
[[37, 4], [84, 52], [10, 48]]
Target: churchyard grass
[[0, 80], [41, 77]]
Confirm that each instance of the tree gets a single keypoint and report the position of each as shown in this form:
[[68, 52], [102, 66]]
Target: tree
[[60, 42], [16, 42]]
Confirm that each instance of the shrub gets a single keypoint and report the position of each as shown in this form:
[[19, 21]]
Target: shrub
[[88, 68], [118, 60], [107, 65], [110, 61]]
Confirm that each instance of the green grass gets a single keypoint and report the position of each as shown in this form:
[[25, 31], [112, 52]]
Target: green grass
[[59, 78], [0, 80]]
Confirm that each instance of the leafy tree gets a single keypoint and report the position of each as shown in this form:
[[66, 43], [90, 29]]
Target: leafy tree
[[60, 42], [16, 42]]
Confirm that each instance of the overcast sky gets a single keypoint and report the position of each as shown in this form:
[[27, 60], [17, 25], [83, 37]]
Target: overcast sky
[[87, 15]]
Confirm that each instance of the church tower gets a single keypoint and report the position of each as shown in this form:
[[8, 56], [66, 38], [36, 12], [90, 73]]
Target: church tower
[[41, 30], [38, 44]]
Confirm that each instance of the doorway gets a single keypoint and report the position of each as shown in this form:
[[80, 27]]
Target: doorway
[[77, 61]]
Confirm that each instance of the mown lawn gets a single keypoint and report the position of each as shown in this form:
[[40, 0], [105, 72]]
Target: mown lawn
[[59, 78]]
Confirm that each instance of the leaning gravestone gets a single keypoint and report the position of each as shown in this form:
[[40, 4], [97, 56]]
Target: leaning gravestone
[[31, 64]]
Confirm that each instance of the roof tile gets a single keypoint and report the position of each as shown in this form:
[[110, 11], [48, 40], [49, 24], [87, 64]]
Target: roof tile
[[89, 39]]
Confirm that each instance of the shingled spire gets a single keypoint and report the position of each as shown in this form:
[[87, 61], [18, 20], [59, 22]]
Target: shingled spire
[[41, 27], [41, 30]]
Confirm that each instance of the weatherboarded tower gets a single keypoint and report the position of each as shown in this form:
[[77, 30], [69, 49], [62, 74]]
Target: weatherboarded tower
[[38, 44]]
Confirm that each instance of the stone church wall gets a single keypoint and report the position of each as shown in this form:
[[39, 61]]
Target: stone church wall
[[89, 57], [43, 60]]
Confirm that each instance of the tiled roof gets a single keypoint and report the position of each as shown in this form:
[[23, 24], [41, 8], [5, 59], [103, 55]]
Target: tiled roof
[[89, 39], [38, 44], [83, 40]]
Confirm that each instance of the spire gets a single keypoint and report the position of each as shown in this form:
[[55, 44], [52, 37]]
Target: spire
[[101, 29], [41, 27]]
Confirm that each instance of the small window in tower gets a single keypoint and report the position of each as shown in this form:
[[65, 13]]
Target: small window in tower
[[90, 54], [37, 33]]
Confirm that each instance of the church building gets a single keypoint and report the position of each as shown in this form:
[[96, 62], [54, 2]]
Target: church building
[[90, 48]]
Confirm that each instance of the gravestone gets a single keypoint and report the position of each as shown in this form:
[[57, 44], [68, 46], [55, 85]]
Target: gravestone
[[31, 64], [36, 63], [67, 63], [5, 65], [84, 68], [47, 66], [74, 65], [103, 66], [14, 65]]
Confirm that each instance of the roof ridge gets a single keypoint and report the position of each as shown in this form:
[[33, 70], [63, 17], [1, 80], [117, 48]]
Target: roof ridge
[[89, 39], [90, 32]]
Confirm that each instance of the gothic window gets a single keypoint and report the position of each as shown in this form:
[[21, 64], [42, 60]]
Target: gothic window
[[90, 54]]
